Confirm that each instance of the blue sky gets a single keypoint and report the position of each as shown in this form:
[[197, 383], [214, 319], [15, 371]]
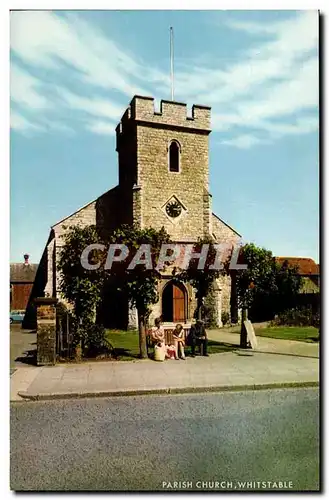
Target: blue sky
[[73, 74]]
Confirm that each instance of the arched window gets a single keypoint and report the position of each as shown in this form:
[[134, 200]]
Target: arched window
[[174, 151]]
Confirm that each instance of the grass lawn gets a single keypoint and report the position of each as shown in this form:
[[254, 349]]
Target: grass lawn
[[125, 343], [302, 333], [127, 346]]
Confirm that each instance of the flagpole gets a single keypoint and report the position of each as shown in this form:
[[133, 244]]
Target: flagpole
[[172, 62]]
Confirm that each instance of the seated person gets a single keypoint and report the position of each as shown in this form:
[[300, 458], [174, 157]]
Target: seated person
[[158, 333], [198, 337], [179, 342]]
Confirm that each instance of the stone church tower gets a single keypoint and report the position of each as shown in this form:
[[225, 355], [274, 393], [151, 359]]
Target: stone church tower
[[164, 179], [163, 162], [164, 159]]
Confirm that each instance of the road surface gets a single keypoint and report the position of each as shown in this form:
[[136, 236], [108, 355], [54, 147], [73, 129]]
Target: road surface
[[237, 440]]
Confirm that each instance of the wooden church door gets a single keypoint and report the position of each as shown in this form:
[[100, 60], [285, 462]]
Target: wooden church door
[[178, 304]]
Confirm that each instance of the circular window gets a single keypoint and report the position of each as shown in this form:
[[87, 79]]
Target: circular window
[[173, 208]]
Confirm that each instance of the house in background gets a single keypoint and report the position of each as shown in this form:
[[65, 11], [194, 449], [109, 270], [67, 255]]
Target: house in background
[[307, 269], [22, 277]]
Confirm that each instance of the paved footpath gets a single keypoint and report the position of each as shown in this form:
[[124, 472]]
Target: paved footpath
[[240, 369], [267, 344]]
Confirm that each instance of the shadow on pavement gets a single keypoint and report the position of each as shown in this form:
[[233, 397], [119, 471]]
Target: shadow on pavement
[[287, 354], [28, 358]]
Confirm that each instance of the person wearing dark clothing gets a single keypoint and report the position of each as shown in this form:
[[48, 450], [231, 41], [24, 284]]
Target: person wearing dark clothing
[[198, 337]]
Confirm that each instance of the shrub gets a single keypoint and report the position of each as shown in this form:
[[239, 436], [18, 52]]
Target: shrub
[[316, 319], [93, 340], [209, 310], [302, 316]]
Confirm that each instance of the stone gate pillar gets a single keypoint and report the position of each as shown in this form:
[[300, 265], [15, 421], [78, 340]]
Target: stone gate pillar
[[46, 330], [218, 306], [132, 318]]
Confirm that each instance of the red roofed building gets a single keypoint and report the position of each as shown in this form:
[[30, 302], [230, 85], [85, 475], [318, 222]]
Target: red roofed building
[[308, 269], [22, 276]]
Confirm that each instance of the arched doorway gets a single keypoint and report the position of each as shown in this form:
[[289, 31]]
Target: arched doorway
[[174, 303]]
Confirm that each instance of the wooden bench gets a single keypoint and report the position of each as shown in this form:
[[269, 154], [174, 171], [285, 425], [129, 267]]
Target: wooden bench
[[169, 338]]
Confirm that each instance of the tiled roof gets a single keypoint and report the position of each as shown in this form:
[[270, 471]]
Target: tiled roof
[[23, 273], [305, 266]]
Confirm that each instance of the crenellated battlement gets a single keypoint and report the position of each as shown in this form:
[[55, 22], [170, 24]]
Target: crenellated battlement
[[163, 155], [172, 114]]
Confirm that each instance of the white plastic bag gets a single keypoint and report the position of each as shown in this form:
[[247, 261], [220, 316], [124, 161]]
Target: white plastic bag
[[159, 353]]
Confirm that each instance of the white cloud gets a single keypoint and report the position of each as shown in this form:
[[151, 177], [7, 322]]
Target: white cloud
[[273, 129], [298, 93], [93, 106], [252, 27], [102, 127], [21, 124], [245, 141], [301, 126], [43, 39], [51, 125], [272, 82], [268, 88], [24, 89], [26, 126]]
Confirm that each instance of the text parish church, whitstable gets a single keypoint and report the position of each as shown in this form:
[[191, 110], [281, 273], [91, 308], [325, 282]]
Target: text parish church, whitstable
[[163, 182]]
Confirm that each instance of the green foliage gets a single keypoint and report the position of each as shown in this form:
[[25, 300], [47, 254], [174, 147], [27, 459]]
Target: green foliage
[[139, 283], [61, 311], [209, 309], [202, 279], [265, 285], [80, 287], [83, 287], [301, 333], [303, 316], [258, 275], [95, 340], [92, 338]]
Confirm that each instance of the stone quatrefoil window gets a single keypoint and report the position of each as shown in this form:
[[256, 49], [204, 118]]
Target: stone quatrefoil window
[[174, 153]]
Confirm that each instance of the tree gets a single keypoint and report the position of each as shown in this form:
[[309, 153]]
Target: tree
[[265, 285], [81, 287], [203, 279], [288, 282], [139, 282]]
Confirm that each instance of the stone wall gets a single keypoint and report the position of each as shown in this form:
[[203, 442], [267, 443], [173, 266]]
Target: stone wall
[[143, 140], [46, 331], [105, 212], [224, 233], [225, 286], [83, 217], [158, 185], [173, 114]]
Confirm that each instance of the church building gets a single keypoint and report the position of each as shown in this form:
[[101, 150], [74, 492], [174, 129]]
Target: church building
[[163, 160]]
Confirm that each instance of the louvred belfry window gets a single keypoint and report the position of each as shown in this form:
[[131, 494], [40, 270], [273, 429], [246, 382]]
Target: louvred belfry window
[[174, 157]]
